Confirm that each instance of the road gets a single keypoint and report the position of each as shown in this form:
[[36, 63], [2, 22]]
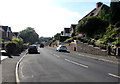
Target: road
[[53, 66]]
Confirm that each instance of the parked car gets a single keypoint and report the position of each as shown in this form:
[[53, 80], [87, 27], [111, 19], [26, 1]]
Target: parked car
[[32, 49], [41, 45], [61, 48]]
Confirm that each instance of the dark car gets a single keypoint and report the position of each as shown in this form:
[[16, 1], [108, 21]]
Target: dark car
[[32, 49], [41, 45]]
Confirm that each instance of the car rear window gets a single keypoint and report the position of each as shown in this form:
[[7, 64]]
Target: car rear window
[[32, 47]]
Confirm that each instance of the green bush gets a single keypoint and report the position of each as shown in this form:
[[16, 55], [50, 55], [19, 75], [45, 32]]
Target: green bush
[[99, 42], [102, 46], [19, 44], [11, 48], [117, 42], [55, 42], [69, 40]]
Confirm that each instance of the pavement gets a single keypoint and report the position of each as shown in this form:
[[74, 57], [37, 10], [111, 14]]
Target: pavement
[[8, 68], [9, 64], [3, 57]]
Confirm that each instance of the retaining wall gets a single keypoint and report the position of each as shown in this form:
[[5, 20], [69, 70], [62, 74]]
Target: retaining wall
[[85, 48]]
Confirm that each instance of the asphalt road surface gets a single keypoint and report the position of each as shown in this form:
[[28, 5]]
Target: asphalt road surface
[[53, 66]]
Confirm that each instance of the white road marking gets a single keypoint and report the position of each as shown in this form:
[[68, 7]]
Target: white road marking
[[17, 66], [56, 55], [101, 59], [22, 72], [76, 63], [113, 75]]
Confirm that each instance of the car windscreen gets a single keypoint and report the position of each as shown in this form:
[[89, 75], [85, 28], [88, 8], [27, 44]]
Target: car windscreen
[[32, 47], [63, 47]]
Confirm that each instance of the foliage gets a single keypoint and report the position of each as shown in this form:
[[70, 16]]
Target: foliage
[[57, 36], [17, 40], [69, 40], [117, 24], [55, 42], [115, 14], [104, 16], [63, 38], [72, 39], [73, 34], [92, 26], [11, 48], [29, 35], [112, 36]]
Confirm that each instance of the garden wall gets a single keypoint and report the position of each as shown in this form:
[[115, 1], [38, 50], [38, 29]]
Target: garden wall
[[85, 48]]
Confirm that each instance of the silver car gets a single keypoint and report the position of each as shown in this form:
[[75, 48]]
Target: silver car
[[61, 48]]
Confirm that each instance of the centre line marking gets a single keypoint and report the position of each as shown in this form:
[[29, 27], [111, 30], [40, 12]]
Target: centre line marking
[[76, 63], [113, 75], [56, 55]]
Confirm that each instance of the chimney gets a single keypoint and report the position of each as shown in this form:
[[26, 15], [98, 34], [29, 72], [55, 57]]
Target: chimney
[[98, 4]]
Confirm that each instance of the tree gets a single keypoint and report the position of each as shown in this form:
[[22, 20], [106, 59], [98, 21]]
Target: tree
[[104, 16], [57, 36], [29, 35], [115, 14], [92, 26]]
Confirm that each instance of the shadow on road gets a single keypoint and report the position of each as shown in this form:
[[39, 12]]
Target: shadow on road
[[34, 53]]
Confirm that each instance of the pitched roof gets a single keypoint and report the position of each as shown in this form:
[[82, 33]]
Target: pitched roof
[[95, 12], [73, 26], [67, 30], [1, 28], [6, 28], [16, 33]]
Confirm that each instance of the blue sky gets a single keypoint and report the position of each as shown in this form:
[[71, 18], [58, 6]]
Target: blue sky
[[80, 6], [48, 17]]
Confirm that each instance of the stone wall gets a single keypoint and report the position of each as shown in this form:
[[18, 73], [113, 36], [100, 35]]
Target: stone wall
[[85, 48]]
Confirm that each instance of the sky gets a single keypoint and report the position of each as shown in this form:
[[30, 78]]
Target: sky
[[47, 17]]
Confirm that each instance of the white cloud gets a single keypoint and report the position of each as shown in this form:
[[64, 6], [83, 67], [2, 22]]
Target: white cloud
[[42, 15]]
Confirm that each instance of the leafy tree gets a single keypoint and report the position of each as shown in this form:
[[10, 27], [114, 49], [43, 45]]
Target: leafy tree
[[57, 36], [92, 26], [104, 16], [115, 14], [29, 35]]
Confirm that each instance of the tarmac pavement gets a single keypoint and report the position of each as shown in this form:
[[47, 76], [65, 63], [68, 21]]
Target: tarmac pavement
[[3, 57], [8, 68]]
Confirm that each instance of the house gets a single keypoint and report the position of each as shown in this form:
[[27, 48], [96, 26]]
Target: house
[[16, 35], [61, 33], [1, 30], [66, 32], [7, 34], [72, 29], [95, 12]]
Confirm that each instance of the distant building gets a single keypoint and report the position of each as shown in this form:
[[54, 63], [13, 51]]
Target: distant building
[[66, 32], [72, 29], [44, 39], [6, 33], [16, 35], [61, 33]]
